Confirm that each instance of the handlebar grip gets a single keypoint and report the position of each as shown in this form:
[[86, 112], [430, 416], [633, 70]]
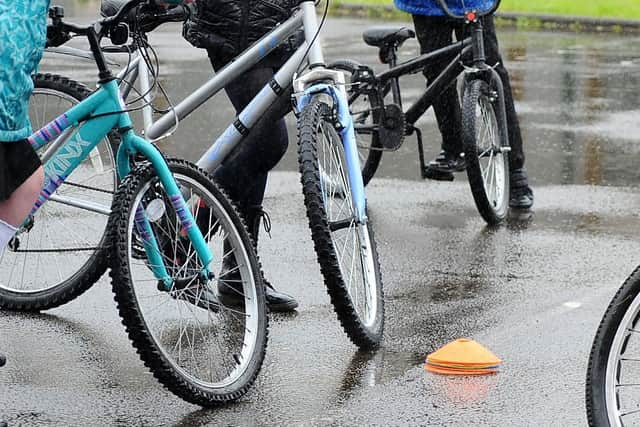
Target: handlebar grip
[[118, 17], [56, 36]]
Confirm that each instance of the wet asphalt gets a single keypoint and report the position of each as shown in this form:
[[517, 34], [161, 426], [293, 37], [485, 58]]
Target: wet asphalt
[[532, 290]]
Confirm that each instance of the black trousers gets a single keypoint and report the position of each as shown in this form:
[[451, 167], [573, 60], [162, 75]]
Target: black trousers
[[18, 161], [244, 173], [435, 32]]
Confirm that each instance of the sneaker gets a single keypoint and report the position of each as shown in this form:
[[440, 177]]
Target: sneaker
[[521, 195], [448, 162]]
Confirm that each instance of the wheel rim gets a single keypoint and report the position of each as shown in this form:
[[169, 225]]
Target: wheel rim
[[352, 245], [491, 159], [212, 348], [61, 226], [617, 391]]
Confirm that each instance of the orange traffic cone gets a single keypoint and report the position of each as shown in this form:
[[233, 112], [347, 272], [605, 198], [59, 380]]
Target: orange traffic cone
[[463, 357]]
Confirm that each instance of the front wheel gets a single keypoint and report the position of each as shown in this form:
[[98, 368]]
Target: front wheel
[[346, 249], [613, 374], [487, 158], [202, 350]]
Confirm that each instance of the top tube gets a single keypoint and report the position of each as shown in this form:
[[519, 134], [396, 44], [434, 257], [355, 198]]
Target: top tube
[[476, 13]]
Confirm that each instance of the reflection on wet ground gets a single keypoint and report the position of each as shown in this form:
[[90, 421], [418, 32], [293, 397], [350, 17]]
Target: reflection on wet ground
[[446, 274]]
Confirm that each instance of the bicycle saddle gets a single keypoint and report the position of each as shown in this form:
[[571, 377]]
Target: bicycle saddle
[[379, 36]]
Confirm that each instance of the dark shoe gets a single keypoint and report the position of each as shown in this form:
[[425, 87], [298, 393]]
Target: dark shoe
[[230, 295], [279, 302], [521, 195], [3, 360], [448, 162], [229, 292], [437, 175], [194, 291]]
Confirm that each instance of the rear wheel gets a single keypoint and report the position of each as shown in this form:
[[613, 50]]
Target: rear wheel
[[204, 351], [64, 253], [487, 161], [346, 249]]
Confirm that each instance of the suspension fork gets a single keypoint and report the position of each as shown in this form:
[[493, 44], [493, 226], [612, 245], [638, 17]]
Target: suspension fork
[[347, 135]]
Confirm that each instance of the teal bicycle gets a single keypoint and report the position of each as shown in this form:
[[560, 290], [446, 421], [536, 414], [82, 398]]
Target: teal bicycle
[[332, 185], [170, 239]]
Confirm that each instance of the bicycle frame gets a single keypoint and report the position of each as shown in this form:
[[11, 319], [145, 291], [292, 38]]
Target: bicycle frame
[[234, 134], [459, 53], [455, 51], [99, 113]]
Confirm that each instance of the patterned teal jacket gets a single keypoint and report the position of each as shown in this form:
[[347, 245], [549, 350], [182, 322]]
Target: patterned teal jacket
[[23, 28]]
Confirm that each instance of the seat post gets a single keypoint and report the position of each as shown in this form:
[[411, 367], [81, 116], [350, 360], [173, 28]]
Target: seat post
[[395, 83]]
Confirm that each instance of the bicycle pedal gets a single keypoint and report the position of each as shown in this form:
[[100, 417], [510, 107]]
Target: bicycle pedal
[[436, 175]]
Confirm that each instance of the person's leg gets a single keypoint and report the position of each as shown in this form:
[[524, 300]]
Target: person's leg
[[521, 196], [21, 182], [244, 173], [15, 209], [433, 33]]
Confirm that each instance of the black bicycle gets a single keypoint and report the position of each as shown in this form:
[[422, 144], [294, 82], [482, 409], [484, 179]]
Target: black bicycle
[[381, 123]]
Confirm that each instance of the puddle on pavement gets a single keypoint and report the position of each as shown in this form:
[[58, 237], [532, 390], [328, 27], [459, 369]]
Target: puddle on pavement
[[371, 369]]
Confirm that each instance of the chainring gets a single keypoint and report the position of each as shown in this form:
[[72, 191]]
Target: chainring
[[392, 129]]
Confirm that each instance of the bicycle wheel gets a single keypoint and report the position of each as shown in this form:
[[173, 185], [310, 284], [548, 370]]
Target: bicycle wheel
[[365, 120], [487, 163], [199, 349], [62, 255], [613, 374], [346, 253]]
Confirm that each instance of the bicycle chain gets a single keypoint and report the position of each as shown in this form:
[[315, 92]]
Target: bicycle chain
[[86, 187], [58, 250]]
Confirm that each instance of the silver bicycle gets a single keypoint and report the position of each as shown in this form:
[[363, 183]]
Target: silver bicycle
[[328, 158]]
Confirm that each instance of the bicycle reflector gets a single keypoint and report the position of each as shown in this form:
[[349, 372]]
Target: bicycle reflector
[[471, 16]]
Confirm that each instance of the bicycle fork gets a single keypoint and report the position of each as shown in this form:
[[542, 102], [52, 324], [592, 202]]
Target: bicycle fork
[[133, 144], [347, 133]]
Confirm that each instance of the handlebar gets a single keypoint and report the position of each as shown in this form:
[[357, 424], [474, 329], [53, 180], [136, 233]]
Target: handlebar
[[467, 17], [119, 17], [60, 32]]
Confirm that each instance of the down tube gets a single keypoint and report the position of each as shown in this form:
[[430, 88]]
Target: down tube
[[78, 147]]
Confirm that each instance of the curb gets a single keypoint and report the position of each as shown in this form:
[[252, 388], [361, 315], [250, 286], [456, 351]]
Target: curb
[[528, 21]]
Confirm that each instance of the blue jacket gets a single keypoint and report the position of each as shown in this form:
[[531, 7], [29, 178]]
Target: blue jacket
[[23, 29], [432, 7]]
